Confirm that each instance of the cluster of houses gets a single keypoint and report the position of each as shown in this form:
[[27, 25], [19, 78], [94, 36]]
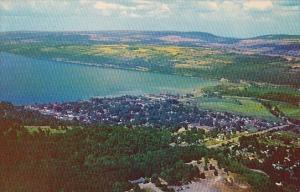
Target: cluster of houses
[[159, 111], [277, 157]]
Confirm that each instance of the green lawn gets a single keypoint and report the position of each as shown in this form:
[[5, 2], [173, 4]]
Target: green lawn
[[236, 105], [290, 110], [263, 91]]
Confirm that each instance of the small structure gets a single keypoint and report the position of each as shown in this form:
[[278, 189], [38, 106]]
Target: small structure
[[141, 180]]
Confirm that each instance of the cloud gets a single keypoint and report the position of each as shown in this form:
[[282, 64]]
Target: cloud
[[293, 3], [234, 7], [6, 5], [34, 5], [260, 5], [209, 5], [142, 2], [164, 8], [84, 2], [130, 8], [107, 9], [101, 5], [137, 8], [224, 9], [287, 7]]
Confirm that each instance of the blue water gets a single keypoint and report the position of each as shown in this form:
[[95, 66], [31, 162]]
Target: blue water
[[26, 80]]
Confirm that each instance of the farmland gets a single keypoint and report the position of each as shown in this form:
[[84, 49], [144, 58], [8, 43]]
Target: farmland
[[209, 62], [290, 110], [280, 100], [259, 74]]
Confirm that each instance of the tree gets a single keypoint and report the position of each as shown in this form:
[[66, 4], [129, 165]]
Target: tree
[[216, 172], [202, 175], [120, 186]]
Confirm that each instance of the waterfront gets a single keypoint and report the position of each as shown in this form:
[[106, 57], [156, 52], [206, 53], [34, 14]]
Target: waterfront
[[26, 80]]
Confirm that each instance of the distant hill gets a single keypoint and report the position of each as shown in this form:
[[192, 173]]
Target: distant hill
[[143, 37], [286, 45], [277, 37], [275, 45]]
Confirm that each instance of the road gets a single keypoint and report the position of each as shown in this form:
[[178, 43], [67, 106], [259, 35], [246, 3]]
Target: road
[[235, 139]]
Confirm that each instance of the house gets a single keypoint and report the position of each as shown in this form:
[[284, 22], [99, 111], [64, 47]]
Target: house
[[138, 181]]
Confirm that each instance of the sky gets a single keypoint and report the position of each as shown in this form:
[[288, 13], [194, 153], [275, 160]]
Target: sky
[[230, 18]]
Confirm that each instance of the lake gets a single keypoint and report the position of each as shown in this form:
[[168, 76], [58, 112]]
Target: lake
[[26, 80]]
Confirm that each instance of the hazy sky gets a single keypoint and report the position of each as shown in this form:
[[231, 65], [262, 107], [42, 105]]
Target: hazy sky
[[235, 18]]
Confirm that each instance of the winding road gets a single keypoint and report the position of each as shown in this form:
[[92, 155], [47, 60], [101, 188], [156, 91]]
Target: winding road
[[235, 139]]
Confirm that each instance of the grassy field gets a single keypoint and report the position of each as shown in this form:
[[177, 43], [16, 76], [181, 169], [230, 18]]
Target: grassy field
[[285, 98], [237, 105], [262, 91], [216, 142], [35, 129], [290, 110]]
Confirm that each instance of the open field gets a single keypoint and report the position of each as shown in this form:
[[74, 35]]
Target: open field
[[37, 129], [284, 99], [237, 105], [261, 91], [290, 110]]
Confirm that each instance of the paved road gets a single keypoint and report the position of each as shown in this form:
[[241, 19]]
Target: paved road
[[256, 133]]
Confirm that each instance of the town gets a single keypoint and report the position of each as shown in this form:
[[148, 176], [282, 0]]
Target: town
[[157, 111]]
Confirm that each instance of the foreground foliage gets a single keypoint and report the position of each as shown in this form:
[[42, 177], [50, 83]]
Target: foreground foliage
[[99, 159]]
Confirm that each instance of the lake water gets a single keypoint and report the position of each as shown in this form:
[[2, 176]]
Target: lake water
[[26, 80]]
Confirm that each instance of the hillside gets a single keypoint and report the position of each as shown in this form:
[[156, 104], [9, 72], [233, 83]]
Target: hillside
[[142, 37], [289, 43], [260, 59], [106, 158]]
